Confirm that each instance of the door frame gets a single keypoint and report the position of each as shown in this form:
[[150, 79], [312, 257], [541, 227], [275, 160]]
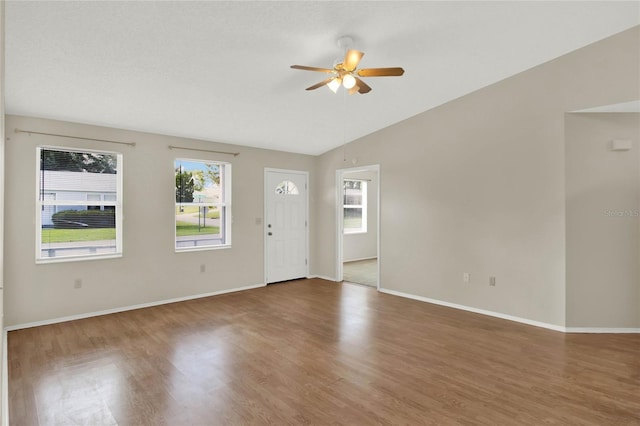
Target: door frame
[[340, 217], [264, 216]]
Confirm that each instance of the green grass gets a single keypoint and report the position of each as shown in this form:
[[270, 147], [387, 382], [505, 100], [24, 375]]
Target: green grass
[[73, 235], [185, 229], [211, 213]]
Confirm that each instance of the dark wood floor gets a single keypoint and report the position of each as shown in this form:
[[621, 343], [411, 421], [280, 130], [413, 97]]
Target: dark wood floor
[[316, 352]]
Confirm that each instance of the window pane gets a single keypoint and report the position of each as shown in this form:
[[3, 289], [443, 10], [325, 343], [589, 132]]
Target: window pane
[[77, 231], [351, 199], [353, 192], [197, 182], [355, 205], [201, 208], [72, 189], [352, 184], [352, 218], [198, 226], [286, 187], [71, 175], [75, 161]]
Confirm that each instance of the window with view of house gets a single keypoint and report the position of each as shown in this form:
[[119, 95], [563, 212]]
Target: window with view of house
[[79, 203], [355, 206], [203, 204]]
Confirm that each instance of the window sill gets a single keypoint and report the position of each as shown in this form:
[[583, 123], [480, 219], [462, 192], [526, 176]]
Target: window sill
[[354, 232], [204, 248], [46, 260]]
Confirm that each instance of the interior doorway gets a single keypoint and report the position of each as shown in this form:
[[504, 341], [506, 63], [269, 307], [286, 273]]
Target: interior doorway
[[358, 230]]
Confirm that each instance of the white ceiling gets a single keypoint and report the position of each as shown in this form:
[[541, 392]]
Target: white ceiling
[[219, 71]]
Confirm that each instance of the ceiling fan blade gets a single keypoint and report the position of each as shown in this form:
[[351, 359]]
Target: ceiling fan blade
[[352, 59], [362, 86], [306, 68], [381, 72], [322, 83]]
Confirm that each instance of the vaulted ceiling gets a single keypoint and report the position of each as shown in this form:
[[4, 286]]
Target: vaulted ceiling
[[219, 71]]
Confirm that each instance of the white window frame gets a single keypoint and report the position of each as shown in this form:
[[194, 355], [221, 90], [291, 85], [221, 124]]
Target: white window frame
[[40, 203], [363, 207], [225, 203]]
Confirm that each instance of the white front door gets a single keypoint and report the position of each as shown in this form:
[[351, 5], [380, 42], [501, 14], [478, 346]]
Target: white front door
[[285, 225]]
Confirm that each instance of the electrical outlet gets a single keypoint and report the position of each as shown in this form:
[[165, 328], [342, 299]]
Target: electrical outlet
[[466, 277], [203, 268], [492, 281], [77, 283]]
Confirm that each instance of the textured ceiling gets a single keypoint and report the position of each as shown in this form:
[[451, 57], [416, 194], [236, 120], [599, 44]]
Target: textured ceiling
[[219, 71]]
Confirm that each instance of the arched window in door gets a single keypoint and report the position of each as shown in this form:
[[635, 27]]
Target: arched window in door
[[286, 187]]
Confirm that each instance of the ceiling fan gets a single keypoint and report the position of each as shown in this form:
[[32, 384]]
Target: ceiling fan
[[345, 73]]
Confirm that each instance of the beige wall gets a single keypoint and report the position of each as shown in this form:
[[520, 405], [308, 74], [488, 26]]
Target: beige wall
[[150, 270], [364, 245], [603, 221], [3, 390], [476, 185], [481, 185]]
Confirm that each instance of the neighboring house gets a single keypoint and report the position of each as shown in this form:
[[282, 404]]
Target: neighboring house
[[74, 187], [210, 194]]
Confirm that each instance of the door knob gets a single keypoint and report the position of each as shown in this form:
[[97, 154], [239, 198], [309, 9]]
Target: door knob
[[269, 233]]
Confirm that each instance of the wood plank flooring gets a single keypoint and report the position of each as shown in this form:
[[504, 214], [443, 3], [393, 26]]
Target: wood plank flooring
[[316, 352]]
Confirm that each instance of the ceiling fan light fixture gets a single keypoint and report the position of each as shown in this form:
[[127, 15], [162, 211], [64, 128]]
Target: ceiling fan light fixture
[[348, 81], [334, 84], [347, 74]]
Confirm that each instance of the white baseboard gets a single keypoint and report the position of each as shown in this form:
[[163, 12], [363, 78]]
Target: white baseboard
[[128, 308], [233, 290], [322, 277], [475, 310], [602, 330]]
